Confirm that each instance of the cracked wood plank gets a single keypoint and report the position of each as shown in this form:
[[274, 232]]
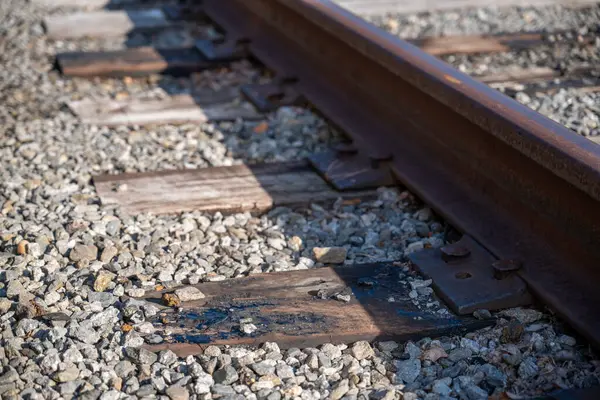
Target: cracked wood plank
[[468, 44], [296, 309]]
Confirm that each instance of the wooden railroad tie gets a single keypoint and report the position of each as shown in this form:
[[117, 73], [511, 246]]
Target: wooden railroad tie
[[173, 110], [142, 61], [102, 24], [301, 309], [238, 188]]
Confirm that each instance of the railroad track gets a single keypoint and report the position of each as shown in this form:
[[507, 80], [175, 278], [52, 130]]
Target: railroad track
[[521, 190]]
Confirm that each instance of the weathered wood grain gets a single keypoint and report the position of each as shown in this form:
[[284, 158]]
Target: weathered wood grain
[[469, 44], [85, 4], [174, 110], [239, 188], [99, 24], [379, 7], [534, 74], [298, 309], [139, 61]]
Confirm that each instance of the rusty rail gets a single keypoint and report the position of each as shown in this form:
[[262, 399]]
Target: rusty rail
[[524, 187]]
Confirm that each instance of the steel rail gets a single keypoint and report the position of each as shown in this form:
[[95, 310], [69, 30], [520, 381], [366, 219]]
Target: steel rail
[[525, 187]]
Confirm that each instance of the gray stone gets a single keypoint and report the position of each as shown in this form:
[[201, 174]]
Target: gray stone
[[417, 283], [15, 289], [5, 305], [285, 371], [459, 354], [212, 351], [146, 390], [340, 389], [312, 361], [84, 334], [454, 370], [124, 368], [324, 360], [69, 374], [226, 375], [331, 350], [493, 375], [93, 394], [412, 350], [248, 329], [104, 298], [470, 344], [388, 346], [441, 387], [83, 252], [189, 293], [111, 395], [140, 355], [362, 350], [222, 390], [203, 383], [275, 395], [68, 388], [108, 317], [408, 371], [263, 368], [567, 340], [474, 392], [176, 392], [528, 368], [167, 357], [72, 355], [523, 315], [9, 376]]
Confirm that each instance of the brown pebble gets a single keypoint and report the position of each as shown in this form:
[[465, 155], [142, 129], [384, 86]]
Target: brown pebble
[[7, 207], [434, 354], [171, 300], [512, 332], [22, 247], [116, 383], [126, 327]]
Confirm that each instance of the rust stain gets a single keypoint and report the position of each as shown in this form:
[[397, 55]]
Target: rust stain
[[452, 79]]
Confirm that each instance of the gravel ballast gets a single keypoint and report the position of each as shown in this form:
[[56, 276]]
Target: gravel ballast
[[72, 268]]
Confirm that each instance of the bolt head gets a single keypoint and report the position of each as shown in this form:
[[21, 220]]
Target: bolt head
[[455, 250], [507, 265]]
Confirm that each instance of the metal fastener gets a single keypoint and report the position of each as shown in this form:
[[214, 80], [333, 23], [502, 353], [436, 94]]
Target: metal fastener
[[454, 251], [505, 268]]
